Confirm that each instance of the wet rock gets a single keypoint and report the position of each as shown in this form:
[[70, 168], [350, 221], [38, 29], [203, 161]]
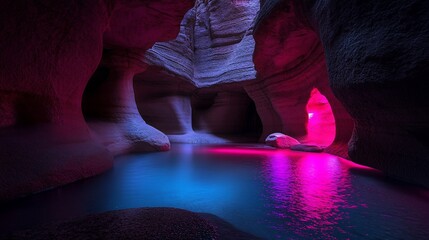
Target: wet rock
[[279, 140]]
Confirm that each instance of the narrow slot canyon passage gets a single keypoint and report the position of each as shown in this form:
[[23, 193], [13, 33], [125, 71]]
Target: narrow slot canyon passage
[[214, 119]]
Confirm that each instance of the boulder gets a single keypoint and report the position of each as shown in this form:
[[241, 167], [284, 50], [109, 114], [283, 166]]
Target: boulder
[[138, 223], [279, 140]]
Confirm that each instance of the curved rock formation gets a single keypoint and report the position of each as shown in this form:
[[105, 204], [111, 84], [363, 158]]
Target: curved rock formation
[[110, 104], [290, 62], [47, 58], [49, 50], [378, 60], [377, 55], [211, 49]]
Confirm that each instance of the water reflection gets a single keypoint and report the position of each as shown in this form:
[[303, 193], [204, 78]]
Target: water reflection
[[274, 194], [306, 188]]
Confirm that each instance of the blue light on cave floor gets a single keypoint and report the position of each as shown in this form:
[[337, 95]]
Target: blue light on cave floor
[[273, 194]]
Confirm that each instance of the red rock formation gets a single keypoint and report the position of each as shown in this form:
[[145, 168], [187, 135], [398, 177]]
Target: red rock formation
[[378, 60], [47, 58], [49, 50], [290, 62]]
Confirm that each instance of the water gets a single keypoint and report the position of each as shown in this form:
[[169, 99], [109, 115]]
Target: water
[[274, 194]]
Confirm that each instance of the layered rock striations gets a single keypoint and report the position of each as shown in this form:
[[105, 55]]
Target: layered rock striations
[[214, 47], [215, 44]]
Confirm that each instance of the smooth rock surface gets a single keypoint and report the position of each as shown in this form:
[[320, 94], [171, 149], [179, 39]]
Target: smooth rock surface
[[49, 50], [279, 140], [47, 57], [138, 223]]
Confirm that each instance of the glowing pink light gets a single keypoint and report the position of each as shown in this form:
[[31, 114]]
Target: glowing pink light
[[321, 122], [242, 151]]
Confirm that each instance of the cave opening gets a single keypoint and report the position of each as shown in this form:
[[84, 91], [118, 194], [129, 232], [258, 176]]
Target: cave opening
[[321, 121]]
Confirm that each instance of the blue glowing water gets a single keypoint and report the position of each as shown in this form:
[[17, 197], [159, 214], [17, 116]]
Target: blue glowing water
[[273, 194]]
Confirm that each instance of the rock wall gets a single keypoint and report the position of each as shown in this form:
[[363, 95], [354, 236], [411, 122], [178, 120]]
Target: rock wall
[[48, 52], [377, 54], [210, 51], [212, 48], [290, 62], [109, 103]]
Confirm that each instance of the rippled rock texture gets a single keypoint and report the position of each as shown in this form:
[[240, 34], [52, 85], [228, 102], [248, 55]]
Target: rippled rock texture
[[215, 44], [214, 47]]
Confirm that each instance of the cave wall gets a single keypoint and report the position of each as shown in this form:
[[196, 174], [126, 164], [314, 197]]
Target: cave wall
[[49, 50], [290, 62], [216, 56], [377, 53]]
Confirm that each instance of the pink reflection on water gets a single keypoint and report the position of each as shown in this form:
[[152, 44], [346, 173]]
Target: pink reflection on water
[[241, 150], [319, 179], [311, 187], [281, 175], [308, 193]]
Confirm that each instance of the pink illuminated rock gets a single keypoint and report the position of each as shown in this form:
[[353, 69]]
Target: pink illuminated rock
[[290, 61], [279, 140], [49, 52], [47, 58], [378, 68]]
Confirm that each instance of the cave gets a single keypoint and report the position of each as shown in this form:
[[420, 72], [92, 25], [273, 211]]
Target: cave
[[214, 119]]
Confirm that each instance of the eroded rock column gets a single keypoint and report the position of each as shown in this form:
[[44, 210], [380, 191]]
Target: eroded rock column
[[113, 112]]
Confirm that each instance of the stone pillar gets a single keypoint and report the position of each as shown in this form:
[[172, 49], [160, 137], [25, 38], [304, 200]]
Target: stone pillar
[[114, 114]]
